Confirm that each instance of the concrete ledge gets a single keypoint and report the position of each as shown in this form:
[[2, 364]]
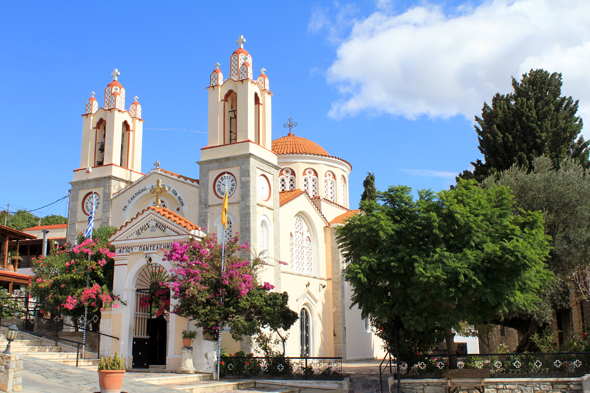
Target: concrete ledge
[[308, 386]]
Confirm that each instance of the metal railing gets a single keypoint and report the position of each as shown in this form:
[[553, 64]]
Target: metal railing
[[20, 307], [499, 365], [282, 367]]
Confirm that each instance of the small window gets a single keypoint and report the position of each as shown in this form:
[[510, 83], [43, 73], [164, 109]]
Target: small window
[[367, 322]]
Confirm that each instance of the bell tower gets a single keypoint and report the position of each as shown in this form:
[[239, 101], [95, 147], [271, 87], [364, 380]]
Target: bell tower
[[239, 150], [110, 156]]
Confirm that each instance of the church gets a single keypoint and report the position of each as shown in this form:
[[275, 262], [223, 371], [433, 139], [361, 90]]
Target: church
[[287, 196]]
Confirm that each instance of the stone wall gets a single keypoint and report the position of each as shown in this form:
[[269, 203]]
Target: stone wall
[[10, 373], [494, 385]]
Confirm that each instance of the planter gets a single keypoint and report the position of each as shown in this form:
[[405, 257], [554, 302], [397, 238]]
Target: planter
[[110, 381], [186, 342]]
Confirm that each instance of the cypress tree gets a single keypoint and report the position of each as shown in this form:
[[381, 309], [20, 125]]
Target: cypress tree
[[532, 121]]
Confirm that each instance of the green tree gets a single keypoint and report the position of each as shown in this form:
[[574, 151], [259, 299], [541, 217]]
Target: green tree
[[370, 192], [532, 121], [465, 254], [22, 219], [54, 219], [562, 194]]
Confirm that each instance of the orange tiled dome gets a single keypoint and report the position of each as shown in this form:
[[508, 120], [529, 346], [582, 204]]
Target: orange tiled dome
[[292, 144]]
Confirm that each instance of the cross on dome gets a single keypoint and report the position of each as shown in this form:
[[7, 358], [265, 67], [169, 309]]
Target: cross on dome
[[290, 124], [217, 65], [157, 164], [92, 94], [115, 74], [241, 41], [263, 70], [136, 98]]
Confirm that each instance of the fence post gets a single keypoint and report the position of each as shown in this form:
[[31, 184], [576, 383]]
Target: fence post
[[306, 372]]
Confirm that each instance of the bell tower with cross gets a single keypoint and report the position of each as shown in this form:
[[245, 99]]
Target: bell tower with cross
[[239, 150], [110, 156]]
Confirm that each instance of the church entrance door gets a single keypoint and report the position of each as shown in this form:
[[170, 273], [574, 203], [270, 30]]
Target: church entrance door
[[150, 327]]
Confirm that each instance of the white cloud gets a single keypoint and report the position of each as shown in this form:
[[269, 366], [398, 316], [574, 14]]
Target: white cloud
[[428, 61], [429, 173]]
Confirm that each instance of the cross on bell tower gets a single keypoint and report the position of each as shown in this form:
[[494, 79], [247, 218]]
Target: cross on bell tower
[[241, 41], [115, 74]]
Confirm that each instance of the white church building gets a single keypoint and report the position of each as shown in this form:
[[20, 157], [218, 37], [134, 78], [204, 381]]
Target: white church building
[[287, 196]]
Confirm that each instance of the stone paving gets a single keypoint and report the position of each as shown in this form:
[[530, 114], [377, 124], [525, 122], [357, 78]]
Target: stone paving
[[364, 376], [42, 376]]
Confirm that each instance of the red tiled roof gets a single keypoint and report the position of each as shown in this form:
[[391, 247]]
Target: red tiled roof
[[292, 144], [183, 222], [180, 176], [288, 196], [39, 227], [343, 217]]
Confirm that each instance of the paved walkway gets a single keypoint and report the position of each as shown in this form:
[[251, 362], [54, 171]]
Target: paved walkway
[[42, 376], [364, 376]]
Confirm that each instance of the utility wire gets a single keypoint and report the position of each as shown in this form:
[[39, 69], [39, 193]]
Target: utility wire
[[42, 207]]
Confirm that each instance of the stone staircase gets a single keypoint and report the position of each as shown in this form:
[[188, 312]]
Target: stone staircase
[[42, 348], [45, 349]]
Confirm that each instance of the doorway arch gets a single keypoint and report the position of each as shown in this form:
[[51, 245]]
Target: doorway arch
[[152, 304]]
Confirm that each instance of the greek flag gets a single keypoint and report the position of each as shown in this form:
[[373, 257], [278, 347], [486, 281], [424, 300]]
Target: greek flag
[[88, 232]]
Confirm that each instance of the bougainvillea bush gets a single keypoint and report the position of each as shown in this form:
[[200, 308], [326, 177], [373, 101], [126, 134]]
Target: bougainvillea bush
[[60, 279], [199, 286]]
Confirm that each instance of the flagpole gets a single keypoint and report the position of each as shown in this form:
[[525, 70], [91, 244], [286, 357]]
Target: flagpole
[[88, 277], [223, 235]]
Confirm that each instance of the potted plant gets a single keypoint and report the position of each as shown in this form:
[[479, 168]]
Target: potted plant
[[111, 370], [187, 337]]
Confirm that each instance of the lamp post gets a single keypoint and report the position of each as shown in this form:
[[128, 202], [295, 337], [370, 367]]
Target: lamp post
[[10, 336]]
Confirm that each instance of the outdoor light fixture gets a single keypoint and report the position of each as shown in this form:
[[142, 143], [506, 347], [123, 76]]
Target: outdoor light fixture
[[148, 259], [10, 336]]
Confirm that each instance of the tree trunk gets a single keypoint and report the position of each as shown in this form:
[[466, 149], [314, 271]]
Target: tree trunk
[[451, 350], [525, 342]]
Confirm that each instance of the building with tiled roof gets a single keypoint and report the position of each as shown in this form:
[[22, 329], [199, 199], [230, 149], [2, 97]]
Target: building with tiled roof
[[286, 198]]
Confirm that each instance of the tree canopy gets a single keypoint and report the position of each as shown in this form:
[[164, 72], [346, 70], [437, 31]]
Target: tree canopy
[[533, 120], [23, 219], [370, 192], [465, 254], [563, 196]]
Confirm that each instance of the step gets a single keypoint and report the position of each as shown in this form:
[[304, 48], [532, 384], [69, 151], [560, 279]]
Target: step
[[215, 386], [177, 379], [81, 362], [62, 355], [27, 349]]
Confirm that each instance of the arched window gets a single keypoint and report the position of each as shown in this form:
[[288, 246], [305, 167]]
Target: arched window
[[100, 142], [231, 118], [330, 186], [125, 145], [304, 332], [220, 229], [343, 191], [264, 238], [257, 119], [301, 247], [310, 182], [286, 179]]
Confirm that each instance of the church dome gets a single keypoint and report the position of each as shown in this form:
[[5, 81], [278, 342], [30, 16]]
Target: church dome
[[292, 144]]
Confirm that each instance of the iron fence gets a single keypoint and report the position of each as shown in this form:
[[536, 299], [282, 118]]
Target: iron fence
[[500, 365], [329, 368]]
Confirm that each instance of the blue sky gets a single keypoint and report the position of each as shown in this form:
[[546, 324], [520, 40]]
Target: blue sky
[[390, 86]]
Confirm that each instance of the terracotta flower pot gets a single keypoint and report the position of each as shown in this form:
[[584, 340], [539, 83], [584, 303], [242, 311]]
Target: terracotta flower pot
[[186, 342], [110, 381]]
